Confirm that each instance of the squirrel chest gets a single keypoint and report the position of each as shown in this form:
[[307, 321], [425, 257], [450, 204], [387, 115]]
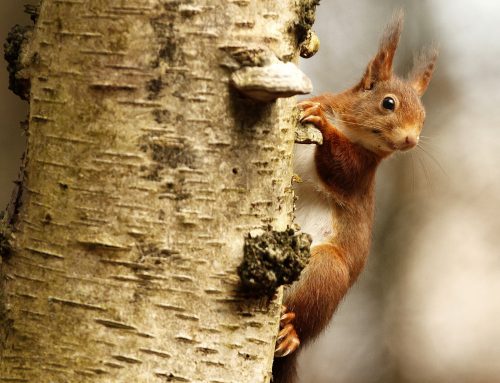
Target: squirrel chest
[[313, 210]]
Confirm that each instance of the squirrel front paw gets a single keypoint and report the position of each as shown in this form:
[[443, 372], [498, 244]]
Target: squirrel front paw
[[288, 340], [312, 113]]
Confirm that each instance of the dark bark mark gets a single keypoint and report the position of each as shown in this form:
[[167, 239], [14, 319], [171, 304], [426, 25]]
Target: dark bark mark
[[16, 39]]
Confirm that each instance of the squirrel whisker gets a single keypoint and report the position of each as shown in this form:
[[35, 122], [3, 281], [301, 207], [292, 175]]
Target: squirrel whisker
[[433, 158]]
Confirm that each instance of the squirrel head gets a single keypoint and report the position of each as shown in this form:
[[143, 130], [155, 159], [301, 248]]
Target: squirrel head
[[383, 112]]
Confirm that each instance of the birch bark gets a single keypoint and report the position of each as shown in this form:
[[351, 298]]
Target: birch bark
[[144, 171]]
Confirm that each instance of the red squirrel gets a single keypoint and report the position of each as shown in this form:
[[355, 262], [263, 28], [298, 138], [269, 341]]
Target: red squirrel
[[360, 126]]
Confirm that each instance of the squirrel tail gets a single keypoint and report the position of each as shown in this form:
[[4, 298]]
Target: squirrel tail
[[285, 369]]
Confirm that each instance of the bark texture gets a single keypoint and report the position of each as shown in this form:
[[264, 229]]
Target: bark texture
[[144, 171]]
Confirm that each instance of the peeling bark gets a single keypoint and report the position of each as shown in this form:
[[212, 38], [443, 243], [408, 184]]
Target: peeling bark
[[144, 172]]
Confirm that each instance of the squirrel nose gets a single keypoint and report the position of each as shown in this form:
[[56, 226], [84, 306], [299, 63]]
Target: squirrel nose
[[410, 142]]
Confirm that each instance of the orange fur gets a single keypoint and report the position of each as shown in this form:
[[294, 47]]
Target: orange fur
[[358, 132]]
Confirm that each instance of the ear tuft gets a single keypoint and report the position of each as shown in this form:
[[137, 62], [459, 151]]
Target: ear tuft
[[380, 68], [390, 38], [423, 67]]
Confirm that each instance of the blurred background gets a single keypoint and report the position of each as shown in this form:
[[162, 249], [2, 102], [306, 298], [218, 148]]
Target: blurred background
[[427, 308]]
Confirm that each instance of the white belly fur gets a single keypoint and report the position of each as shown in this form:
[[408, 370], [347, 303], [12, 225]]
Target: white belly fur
[[313, 208]]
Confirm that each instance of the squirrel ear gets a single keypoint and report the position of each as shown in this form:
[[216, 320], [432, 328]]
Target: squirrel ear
[[423, 67], [380, 68]]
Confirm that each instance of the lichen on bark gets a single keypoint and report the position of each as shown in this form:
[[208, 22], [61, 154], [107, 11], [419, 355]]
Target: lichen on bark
[[17, 37], [5, 234], [306, 15], [272, 259]]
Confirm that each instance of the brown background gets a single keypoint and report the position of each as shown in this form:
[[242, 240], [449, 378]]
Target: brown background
[[12, 109]]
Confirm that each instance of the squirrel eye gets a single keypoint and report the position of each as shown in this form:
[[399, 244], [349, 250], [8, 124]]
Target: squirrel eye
[[388, 103]]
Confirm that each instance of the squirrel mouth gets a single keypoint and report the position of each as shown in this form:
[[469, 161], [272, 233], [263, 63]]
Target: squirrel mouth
[[391, 146]]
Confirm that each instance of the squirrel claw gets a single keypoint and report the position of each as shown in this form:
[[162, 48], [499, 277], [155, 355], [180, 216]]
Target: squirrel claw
[[307, 104], [286, 319], [315, 120], [287, 340], [312, 113], [284, 332]]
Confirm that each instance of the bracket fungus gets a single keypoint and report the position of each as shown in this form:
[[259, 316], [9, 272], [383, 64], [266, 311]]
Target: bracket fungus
[[275, 79]]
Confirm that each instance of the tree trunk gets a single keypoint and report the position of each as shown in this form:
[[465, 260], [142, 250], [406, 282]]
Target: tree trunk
[[143, 173]]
